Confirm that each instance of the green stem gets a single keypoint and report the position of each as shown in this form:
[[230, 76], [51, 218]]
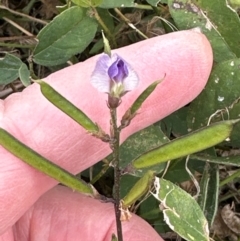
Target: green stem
[[142, 6], [100, 174], [105, 28], [115, 133], [230, 178]]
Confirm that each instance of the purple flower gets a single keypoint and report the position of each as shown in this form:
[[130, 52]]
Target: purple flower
[[114, 76]]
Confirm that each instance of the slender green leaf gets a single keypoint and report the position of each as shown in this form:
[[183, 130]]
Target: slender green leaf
[[212, 194], [153, 2], [117, 3], [87, 3], [229, 160]]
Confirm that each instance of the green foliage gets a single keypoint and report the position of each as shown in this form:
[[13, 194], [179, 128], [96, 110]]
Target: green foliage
[[87, 3], [181, 211], [77, 30], [42, 164], [153, 2], [117, 3], [12, 68], [68, 34]]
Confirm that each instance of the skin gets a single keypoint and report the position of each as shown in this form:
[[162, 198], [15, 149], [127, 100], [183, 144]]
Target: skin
[[32, 207]]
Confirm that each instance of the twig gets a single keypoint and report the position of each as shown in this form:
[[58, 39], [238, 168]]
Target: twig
[[24, 15], [17, 26], [128, 22]]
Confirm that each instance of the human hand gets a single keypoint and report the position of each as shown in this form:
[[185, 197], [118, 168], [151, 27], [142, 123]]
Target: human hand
[[32, 207]]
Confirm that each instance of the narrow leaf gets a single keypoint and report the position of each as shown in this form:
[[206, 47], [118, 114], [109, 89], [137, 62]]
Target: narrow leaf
[[117, 3], [229, 160], [87, 3], [40, 163]]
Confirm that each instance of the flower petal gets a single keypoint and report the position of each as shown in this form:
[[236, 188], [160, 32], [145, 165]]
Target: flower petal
[[113, 75], [100, 79], [118, 70], [132, 80]]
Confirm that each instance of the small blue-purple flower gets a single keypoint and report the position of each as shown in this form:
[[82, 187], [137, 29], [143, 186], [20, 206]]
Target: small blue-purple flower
[[114, 76]]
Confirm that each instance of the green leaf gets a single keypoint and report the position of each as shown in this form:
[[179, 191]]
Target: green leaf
[[24, 75], [12, 68], [194, 142], [212, 194], [69, 33], [117, 3], [42, 164], [139, 143], [153, 2], [87, 3], [187, 15], [218, 12], [181, 212], [221, 91], [229, 160]]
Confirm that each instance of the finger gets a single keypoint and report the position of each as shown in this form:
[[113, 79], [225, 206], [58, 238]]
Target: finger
[[185, 57], [61, 214]]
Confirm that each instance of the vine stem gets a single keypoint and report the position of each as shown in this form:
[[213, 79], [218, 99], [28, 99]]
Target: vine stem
[[104, 26], [115, 134]]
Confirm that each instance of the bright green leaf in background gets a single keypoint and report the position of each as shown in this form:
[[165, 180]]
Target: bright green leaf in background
[[68, 34], [219, 12], [87, 3], [222, 90], [188, 15], [209, 186], [116, 3], [181, 211], [153, 2], [12, 68], [139, 143]]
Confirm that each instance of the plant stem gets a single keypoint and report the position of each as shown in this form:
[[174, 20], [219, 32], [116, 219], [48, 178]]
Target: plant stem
[[24, 15], [105, 28], [128, 22], [229, 178], [115, 133]]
